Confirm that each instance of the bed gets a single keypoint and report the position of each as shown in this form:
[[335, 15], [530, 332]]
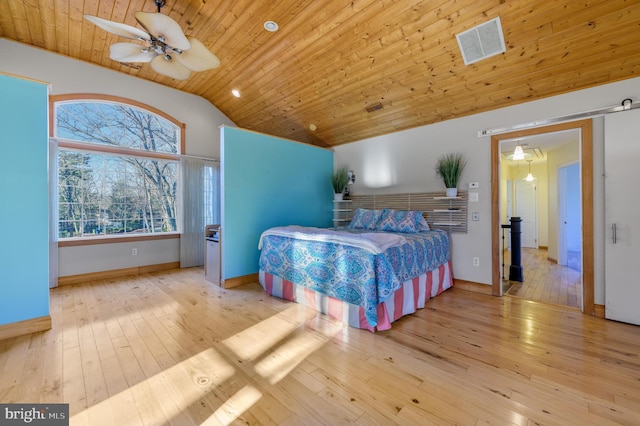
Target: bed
[[386, 264]]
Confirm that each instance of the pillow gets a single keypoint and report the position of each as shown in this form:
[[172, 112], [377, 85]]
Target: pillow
[[399, 221], [423, 225], [365, 219]]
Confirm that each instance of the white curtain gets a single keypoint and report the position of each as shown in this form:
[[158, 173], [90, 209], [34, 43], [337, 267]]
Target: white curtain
[[200, 207]]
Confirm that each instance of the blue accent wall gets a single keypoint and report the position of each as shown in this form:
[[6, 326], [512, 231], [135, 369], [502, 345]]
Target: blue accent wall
[[268, 181], [24, 200]]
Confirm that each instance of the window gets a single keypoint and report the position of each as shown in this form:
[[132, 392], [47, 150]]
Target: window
[[117, 169], [211, 195]]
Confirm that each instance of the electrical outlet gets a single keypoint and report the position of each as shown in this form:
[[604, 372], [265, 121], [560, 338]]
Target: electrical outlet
[[476, 261], [473, 185], [475, 216], [134, 252]]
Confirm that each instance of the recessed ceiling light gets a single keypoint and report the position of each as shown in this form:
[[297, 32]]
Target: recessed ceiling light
[[235, 93], [313, 127], [271, 26]]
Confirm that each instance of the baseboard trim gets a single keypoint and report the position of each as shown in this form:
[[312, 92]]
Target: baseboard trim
[[29, 326], [598, 311], [552, 260], [116, 273], [238, 281], [472, 286]]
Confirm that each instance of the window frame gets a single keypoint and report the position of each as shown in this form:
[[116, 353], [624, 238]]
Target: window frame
[[113, 150]]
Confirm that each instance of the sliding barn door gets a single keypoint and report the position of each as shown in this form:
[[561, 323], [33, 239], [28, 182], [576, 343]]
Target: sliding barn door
[[622, 215]]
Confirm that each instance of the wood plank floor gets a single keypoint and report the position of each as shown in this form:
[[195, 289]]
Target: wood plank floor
[[169, 348], [546, 281]]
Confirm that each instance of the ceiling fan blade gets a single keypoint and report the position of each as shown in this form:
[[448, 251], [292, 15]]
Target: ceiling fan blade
[[160, 25], [117, 28], [198, 58], [170, 68], [130, 52]]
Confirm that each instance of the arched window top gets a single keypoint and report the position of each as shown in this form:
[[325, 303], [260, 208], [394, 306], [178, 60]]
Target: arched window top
[[115, 122], [118, 167]]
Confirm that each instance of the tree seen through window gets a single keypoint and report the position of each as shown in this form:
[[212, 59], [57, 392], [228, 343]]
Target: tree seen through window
[[129, 189]]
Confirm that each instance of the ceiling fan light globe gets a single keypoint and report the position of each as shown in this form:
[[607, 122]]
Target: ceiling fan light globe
[[164, 29]]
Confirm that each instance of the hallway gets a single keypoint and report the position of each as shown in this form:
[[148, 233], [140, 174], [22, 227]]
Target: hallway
[[545, 281]]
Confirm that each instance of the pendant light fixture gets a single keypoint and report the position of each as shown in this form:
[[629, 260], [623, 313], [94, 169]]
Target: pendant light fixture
[[518, 154], [529, 177]]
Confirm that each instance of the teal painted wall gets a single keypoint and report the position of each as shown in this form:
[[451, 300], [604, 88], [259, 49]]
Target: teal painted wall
[[268, 181], [24, 200]]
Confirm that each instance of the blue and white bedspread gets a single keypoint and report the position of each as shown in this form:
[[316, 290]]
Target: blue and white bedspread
[[347, 272]]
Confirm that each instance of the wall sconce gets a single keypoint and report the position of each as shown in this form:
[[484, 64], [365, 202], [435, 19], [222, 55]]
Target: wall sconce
[[351, 178]]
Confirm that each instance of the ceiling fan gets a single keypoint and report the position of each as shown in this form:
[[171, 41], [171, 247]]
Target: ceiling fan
[[169, 51]]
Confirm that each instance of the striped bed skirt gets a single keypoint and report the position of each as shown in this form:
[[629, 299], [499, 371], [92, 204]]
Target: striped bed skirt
[[412, 295]]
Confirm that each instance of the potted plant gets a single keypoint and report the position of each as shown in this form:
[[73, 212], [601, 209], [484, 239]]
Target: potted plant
[[450, 167], [339, 181]]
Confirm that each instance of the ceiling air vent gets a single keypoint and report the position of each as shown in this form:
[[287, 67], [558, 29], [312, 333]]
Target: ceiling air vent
[[482, 41], [374, 107]]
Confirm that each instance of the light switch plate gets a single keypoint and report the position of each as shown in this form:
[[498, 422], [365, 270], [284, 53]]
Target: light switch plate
[[473, 197]]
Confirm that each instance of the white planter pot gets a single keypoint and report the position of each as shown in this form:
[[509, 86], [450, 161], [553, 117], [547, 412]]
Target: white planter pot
[[452, 192], [338, 197]]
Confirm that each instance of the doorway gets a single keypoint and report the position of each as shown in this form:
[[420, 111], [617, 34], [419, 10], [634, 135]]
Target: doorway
[[586, 198], [569, 217], [527, 210]]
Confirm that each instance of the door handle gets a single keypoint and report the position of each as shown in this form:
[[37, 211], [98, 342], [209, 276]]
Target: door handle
[[614, 237]]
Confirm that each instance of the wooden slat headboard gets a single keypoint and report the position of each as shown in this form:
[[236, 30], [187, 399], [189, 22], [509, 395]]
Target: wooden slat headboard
[[449, 214]]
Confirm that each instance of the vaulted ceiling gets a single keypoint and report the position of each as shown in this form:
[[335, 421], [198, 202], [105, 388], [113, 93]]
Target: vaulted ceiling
[[332, 61]]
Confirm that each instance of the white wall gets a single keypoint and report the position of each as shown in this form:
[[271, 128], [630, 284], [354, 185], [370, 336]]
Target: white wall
[[66, 75], [404, 162]]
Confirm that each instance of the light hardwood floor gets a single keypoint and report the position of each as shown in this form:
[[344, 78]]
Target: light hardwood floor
[[546, 281], [169, 348]]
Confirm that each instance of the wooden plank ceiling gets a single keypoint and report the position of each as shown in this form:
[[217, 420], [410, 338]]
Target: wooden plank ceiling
[[332, 60]]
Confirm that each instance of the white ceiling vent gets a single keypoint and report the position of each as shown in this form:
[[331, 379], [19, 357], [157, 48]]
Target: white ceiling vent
[[482, 41]]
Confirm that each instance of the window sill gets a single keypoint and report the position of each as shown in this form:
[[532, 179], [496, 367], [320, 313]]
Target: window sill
[[86, 241]]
